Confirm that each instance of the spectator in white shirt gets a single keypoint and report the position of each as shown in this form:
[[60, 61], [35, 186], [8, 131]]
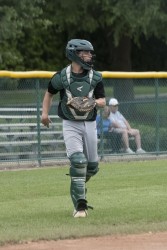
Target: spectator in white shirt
[[122, 126]]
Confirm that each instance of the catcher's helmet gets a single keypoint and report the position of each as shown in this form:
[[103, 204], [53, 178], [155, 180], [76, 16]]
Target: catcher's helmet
[[76, 45]]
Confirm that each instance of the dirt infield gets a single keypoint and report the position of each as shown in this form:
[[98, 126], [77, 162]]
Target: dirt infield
[[149, 241]]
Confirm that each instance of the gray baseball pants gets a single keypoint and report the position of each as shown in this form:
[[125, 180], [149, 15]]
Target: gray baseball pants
[[81, 136]]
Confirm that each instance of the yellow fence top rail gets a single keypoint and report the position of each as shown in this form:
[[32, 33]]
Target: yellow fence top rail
[[105, 74], [26, 74]]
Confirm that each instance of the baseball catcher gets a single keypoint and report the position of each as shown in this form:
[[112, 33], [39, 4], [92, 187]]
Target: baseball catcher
[[81, 92]]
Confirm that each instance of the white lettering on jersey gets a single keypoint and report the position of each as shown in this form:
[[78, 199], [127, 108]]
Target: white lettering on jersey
[[80, 88]]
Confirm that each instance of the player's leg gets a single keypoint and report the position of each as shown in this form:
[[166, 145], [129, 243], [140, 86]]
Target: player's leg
[[90, 149], [78, 178], [72, 132]]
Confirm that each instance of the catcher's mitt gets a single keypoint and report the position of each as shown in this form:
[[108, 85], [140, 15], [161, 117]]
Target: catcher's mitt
[[82, 104]]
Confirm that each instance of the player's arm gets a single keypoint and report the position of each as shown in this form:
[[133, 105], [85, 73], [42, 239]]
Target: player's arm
[[53, 88], [47, 101], [100, 102], [100, 95]]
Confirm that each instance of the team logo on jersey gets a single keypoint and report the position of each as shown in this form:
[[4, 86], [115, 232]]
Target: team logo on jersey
[[80, 88]]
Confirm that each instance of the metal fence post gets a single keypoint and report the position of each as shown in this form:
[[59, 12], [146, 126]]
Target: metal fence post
[[157, 133], [38, 120]]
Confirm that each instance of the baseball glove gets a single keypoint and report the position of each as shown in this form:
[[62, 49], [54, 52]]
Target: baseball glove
[[82, 104]]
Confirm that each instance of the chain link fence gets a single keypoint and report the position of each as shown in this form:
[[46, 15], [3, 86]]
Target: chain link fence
[[142, 98]]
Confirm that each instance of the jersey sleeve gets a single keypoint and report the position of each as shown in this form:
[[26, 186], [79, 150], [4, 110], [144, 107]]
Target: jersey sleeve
[[99, 91], [55, 84]]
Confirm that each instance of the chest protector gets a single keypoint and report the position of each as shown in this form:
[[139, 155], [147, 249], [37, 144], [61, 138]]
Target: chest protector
[[75, 86]]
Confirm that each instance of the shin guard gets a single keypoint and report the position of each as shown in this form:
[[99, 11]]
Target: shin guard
[[92, 169], [78, 178]]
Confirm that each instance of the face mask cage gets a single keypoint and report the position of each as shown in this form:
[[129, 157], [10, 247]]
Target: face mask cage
[[85, 64], [73, 56]]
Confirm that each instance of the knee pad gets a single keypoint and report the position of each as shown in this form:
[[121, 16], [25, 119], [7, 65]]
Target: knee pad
[[78, 165], [92, 169]]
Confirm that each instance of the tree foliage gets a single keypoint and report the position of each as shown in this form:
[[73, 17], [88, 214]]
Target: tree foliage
[[15, 17], [33, 34]]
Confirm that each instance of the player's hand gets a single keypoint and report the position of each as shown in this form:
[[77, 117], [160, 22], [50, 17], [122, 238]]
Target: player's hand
[[45, 120]]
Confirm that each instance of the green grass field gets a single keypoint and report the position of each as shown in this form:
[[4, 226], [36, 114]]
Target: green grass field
[[128, 197]]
